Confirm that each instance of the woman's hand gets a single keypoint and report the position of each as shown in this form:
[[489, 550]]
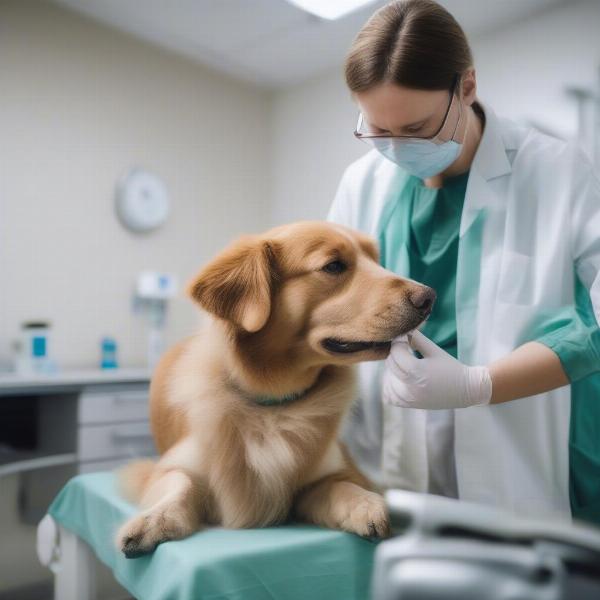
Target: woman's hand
[[440, 381], [436, 381]]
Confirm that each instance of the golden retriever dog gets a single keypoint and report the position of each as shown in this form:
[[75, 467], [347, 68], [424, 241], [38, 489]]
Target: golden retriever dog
[[245, 413]]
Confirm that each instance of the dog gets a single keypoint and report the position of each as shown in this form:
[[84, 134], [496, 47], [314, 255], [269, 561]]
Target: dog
[[245, 413]]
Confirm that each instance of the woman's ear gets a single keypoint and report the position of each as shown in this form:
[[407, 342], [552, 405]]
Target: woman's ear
[[238, 283], [469, 86]]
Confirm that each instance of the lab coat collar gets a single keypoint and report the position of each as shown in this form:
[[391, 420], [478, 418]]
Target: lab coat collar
[[490, 159], [490, 162]]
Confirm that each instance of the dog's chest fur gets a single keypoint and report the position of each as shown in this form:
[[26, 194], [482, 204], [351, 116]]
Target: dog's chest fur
[[259, 465]]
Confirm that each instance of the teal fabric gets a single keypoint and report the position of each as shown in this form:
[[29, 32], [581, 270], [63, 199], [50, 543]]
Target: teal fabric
[[418, 238], [574, 335], [293, 561], [429, 222]]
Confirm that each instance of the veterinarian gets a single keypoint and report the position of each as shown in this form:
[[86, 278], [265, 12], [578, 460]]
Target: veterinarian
[[501, 405]]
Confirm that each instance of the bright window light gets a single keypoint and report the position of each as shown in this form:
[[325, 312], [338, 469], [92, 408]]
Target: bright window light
[[329, 9]]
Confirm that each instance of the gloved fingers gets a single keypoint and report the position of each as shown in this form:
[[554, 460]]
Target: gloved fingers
[[401, 359], [395, 391], [423, 344], [395, 367], [399, 339]]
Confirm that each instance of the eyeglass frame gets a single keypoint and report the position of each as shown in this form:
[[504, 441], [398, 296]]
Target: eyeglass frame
[[366, 136]]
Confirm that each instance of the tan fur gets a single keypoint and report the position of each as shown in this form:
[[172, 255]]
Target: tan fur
[[134, 478], [224, 458]]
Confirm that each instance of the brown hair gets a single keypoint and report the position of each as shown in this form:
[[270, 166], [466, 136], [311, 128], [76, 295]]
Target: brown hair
[[413, 43]]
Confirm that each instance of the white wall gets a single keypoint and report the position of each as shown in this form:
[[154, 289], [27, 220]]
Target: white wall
[[80, 105], [521, 70], [313, 141], [524, 69]]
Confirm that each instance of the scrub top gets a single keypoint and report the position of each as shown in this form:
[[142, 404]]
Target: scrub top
[[428, 220]]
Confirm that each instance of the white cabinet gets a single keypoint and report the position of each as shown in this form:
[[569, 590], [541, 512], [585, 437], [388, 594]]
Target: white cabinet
[[113, 407], [53, 427], [112, 427]]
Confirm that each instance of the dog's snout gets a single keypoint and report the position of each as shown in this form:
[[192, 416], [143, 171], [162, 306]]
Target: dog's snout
[[422, 298]]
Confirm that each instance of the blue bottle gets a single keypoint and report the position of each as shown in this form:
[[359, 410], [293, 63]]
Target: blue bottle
[[109, 353]]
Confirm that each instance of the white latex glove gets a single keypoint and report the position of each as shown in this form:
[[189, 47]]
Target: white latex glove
[[436, 381]]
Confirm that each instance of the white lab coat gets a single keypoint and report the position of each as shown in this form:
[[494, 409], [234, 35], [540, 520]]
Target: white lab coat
[[531, 216]]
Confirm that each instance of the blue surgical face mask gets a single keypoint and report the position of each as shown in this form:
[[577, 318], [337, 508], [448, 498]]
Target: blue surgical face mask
[[422, 158]]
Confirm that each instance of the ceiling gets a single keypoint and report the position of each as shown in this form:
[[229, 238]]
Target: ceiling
[[271, 43]]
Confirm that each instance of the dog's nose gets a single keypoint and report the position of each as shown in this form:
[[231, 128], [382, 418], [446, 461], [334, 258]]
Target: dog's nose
[[422, 298]]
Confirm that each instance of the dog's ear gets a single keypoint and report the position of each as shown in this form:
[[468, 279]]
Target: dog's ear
[[237, 284]]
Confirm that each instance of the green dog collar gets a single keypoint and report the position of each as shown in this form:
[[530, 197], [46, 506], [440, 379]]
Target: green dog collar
[[272, 400]]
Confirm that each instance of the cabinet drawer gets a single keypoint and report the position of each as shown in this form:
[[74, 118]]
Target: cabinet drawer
[[114, 406], [96, 442]]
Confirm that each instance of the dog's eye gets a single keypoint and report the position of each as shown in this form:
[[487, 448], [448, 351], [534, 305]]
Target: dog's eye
[[335, 267]]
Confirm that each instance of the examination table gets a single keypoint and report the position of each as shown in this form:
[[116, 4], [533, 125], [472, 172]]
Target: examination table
[[441, 549], [293, 561]]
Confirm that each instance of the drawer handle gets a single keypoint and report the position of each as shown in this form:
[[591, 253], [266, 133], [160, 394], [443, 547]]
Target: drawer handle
[[122, 438], [131, 398]]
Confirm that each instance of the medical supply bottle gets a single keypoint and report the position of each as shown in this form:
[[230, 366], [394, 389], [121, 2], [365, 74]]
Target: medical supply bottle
[[108, 348]]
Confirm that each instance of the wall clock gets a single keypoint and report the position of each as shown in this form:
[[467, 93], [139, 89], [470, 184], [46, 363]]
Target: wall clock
[[142, 201]]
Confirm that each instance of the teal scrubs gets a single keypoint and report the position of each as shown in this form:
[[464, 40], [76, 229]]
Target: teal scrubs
[[427, 222], [574, 335]]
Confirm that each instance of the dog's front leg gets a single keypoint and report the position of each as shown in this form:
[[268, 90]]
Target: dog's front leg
[[342, 504], [173, 504]]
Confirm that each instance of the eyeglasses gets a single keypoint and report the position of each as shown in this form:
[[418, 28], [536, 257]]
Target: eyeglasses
[[362, 134]]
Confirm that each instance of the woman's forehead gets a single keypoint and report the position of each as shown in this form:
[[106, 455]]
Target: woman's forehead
[[390, 106]]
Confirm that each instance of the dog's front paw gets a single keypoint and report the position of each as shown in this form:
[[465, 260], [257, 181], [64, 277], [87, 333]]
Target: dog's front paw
[[141, 534], [367, 516]]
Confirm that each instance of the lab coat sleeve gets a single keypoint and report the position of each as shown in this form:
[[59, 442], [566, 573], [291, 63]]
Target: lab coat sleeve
[[575, 334], [341, 210]]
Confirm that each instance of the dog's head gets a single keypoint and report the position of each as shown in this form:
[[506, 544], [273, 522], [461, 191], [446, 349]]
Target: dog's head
[[314, 287]]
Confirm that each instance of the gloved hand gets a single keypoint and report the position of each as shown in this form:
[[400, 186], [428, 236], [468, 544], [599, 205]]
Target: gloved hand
[[435, 381]]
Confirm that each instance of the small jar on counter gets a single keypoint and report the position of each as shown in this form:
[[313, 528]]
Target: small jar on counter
[[109, 353]]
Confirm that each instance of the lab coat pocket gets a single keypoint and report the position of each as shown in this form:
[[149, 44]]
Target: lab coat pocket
[[516, 283]]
